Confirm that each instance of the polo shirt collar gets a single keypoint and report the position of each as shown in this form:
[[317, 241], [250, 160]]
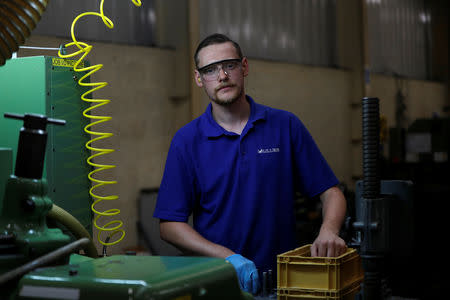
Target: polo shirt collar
[[212, 129]]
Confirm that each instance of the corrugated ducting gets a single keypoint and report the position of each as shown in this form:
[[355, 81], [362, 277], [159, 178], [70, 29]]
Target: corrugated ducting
[[399, 33], [297, 31], [132, 25]]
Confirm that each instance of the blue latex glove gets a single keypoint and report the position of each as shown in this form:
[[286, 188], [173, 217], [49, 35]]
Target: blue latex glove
[[246, 271]]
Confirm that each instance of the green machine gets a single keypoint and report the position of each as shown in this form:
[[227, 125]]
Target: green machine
[[48, 86], [42, 163], [135, 277]]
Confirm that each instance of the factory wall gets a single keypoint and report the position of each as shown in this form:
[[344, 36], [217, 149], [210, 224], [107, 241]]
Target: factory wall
[[147, 108], [423, 99]]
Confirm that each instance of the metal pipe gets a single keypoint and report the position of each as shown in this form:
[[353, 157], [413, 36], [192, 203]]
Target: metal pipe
[[17, 20], [270, 281], [44, 260], [264, 285], [75, 227]]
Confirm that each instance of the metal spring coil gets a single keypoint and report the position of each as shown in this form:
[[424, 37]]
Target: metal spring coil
[[17, 19], [371, 147]]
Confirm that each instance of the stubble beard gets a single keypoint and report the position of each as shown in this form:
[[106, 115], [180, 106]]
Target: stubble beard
[[226, 101]]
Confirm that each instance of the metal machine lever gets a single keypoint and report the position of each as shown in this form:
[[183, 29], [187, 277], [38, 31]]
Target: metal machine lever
[[32, 144]]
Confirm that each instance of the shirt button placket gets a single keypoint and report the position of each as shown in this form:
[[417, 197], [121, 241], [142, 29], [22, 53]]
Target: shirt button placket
[[242, 147], [243, 165]]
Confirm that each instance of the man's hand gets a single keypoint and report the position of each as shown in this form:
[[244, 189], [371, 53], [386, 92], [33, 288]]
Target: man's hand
[[246, 271], [328, 244]]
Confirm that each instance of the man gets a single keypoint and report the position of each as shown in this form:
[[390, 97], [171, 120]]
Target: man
[[236, 168]]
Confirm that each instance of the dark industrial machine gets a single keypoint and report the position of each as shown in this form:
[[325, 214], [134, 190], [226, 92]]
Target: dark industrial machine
[[421, 154], [384, 219]]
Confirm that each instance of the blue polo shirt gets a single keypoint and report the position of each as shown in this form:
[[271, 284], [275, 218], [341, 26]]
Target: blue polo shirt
[[241, 188]]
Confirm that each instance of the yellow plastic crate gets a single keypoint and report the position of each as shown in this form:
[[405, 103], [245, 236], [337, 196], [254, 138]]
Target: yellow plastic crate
[[297, 269], [348, 293]]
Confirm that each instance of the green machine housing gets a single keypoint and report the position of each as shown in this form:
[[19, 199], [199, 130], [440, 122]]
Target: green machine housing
[[134, 277], [48, 86]]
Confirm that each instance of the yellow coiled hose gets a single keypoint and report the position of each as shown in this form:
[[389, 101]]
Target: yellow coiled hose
[[114, 227]]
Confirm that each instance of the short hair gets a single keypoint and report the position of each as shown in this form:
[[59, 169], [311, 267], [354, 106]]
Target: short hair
[[216, 38]]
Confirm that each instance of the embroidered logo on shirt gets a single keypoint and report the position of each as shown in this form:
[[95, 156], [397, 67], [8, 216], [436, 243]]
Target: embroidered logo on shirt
[[268, 150]]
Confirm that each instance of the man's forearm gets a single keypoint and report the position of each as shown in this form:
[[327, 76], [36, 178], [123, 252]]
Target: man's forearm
[[328, 243], [334, 209], [186, 238]]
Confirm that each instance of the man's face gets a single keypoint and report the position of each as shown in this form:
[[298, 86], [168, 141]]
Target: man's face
[[223, 82]]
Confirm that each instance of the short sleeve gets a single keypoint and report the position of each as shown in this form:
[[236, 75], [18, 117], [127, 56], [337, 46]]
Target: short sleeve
[[312, 170], [176, 192]]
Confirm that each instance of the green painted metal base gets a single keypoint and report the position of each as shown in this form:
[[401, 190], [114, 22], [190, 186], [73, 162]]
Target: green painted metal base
[[23, 223], [135, 277]]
